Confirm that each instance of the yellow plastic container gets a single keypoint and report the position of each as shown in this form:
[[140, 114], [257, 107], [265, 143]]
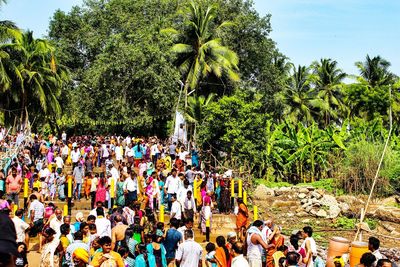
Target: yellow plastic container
[[356, 251]]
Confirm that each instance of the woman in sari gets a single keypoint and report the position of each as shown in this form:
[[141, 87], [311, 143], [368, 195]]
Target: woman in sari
[[101, 191], [120, 191], [242, 219], [222, 256], [278, 241], [51, 249]]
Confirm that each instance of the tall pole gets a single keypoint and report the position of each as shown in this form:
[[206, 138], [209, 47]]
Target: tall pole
[[390, 107]]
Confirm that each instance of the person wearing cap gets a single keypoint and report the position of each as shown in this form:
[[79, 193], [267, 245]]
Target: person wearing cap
[[8, 246], [231, 239]]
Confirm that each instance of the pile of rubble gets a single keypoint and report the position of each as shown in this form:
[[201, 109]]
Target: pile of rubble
[[316, 202]]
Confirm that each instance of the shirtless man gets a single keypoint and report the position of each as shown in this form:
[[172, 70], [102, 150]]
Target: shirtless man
[[35, 191], [118, 232]]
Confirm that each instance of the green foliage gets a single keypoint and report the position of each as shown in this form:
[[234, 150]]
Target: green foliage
[[358, 168], [345, 223], [372, 223]]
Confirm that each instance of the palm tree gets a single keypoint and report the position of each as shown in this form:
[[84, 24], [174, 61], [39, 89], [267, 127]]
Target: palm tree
[[200, 51], [195, 112], [328, 79], [375, 71], [40, 80], [299, 97]]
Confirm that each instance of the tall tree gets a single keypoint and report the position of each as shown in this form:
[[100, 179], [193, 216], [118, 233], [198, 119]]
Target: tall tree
[[375, 71], [328, 78], [40, 81], [299, 96], [200, 51]]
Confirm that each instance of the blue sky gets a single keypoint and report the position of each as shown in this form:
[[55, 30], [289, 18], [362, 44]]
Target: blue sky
[[305, 30]]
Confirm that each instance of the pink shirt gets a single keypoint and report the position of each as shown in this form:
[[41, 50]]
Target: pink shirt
[[14, 183]]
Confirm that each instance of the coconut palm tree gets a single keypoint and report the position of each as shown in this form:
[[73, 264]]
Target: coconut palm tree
[[195, 111], [41, 80], [199, 49], [375, 71], [328, 80], [299, 97]]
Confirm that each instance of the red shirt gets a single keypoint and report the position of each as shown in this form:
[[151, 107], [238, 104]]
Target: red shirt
[[14, 183]]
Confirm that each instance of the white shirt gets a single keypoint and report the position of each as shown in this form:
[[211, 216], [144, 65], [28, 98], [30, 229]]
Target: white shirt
[[154, 150], [105, 151], [182, 155], [172, 184], [239, 261], [189, 253], [65, 150], [59, 162], [75, 156], [55, 224], [189, 204], [181, 194], [44, 173], [266, 233], [130, 185], [103, 226], [64, 137], [115, 174], [38, 207], [20, 227], [177, 209], [93, 185]]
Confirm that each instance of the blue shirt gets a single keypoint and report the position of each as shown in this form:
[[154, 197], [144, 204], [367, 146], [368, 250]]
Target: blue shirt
[[138, 151], [140, 262], [171, 242]]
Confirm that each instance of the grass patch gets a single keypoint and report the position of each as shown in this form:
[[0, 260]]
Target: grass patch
[[344, 223], [349, 224]]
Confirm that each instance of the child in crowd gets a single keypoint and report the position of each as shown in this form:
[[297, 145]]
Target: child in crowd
[[210, 257]]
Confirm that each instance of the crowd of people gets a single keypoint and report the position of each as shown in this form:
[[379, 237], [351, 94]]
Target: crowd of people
[[128, 183]]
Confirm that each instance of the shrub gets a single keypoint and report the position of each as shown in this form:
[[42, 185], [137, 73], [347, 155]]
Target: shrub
[[345, 223], [356, 172]]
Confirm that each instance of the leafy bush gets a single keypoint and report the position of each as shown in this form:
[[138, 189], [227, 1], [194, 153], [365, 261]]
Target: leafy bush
[[372, 223], [349, 224], [345, 223], [357, 171]]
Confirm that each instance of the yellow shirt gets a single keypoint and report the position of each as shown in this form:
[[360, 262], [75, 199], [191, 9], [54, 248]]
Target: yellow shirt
[[64, 242], [118, 259], [37, 184]]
